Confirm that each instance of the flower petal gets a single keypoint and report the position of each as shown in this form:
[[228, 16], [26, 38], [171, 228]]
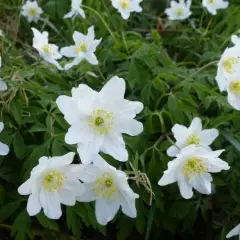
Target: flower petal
[[4, 149], [88, 195], [179, 131], [1, 126], [196, 125], [68, 51], [208, 136], [3, 85], [202, 183], [235, 231], [173, 151], [167, 178], [67, 197], [185, 188], [33, 205], [129, 126], [25, 188]]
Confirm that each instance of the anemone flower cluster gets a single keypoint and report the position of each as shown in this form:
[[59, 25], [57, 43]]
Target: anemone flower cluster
[[228, 73]]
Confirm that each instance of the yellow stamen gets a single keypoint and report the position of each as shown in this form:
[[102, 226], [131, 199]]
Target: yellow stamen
[[235, 87], [47, 49], [194, 166], [53, 180], [193, 139], [101, 121], [81, 47], [125, 4], [179, 12], [105, 187], [212, 1], [228, 64], [32, 12]]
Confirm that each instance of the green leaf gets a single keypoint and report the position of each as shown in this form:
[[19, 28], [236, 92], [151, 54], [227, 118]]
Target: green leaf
[[150, 221], [231, 139], [16, 109], [73, 222], [19, 146], [46, 222], [8, 209]]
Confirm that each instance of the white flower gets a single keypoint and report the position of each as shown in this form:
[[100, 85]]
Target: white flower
[[109, 187], [32, 11], [4, 149], [98, 119], [84, 48], [3, 85], [125, 7], [193, 135], [76, 10], [49, 52], [192, 168], [213, 5], [52, 182], [229, 65], [1, 33], [179, 10], [234, 232], [233, 89], [235, 40]]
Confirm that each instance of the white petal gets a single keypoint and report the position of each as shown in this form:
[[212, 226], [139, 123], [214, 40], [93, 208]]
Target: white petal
[[3, 85], [173, 151], [75, 62], [91, 58], [1, 126], [113, 90], [67, 197], [88, 195], [77, 37], [62, 160], [216, 165], [33, 205], [105, 210], [68, 52], [89, 173], [115, 146], [185, 188], [196, 125], [25, 188], [167, 178], [235, 231], [208, 136], [129, 126], [202, 183], [221, 80], [179, 131], [4, 149], [70, 14]]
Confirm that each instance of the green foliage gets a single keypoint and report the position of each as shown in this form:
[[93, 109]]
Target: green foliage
[[169, 66]]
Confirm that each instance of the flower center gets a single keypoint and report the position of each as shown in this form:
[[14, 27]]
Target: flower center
[[193, 167], [212, 1], [228, 64], [235, 87], [105, 187], [32, 11], [101, 121], [47, 49], [125, 4], [53, 180], [81, 47], [193, 139], [179, 12]]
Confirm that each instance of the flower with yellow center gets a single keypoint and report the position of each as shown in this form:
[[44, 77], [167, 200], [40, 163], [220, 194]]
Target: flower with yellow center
[[52, 182], [47, 49], [81, 47], [214, 5], [234, 87], [179, 12], [229, 63], [193, 135], [233, 90], [191, 169], [109, 188], [125, 4], [31, 11]]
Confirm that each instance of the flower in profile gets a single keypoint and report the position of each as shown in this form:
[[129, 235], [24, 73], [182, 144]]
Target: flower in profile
[[191, 169], [228, 66], [109, 188], [233, 89], [3, 85], [213, 5], [84, 48], [234, 232], [76, 10], [126, 7], [4, 149], [194, 135], [98, 119], [31, 11], [49, 52], [52, 182], [235, 40], [179, 10]]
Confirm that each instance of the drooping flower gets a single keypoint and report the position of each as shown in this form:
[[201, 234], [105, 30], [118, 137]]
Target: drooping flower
[[126, 7], [194, 135], [213, 5], [179, 10], [3, 85], [31, 11], [84, 48], [52, 182], [228, 66], [233, 89], [98, 119], [76, 10], [49, 52], [235, 40], [234, 232], [192, 168], [109, 188], [4, 149]]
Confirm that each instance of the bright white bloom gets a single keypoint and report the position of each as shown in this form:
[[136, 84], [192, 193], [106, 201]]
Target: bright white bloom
[[32, 11], [49, 52], [193, 135], [4, 149], [84, 48], [1, 33], [179, 10], [213, 5], [233, 89], [76, 10], [109, 187], [235, 40], [52, 182], [3, 85], [192, 168], [98, 119], [234, 232], [125, 7], [228, 66]]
